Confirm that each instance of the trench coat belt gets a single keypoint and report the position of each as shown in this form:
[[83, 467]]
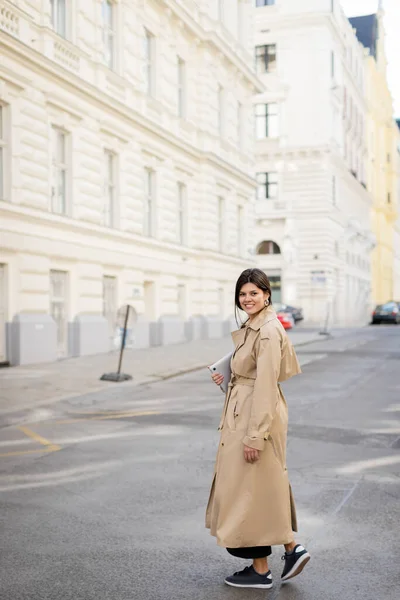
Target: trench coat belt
[[235, 380], [239, 380]]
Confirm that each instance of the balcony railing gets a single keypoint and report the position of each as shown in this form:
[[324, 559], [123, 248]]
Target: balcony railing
[[9, 18]]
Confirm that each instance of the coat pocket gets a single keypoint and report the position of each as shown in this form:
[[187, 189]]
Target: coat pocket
[[271, 440]]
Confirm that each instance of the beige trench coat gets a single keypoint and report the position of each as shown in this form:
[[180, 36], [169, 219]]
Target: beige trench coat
[[252, 504]]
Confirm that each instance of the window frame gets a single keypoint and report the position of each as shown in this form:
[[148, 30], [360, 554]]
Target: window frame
[[149, 62], [110, 188], [239, 218], [221, 224], [4, 151], [181, 88], [55, 18], [239, 124], [109, 34], [182, 213], [59, 165], [334, 190], [221, 11], [263, 56], [267, 185], [220, 111], [265, 118], [149, 202]]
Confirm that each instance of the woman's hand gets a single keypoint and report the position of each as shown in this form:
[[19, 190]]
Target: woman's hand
[[218, 378], [251, 455]]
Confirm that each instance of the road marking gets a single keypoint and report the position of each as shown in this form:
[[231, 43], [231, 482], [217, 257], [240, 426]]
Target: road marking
[[50, 447], [38, 438], [47, 449], [101, 417]]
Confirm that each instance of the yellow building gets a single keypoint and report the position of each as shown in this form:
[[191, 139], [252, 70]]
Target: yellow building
[[382, 135]]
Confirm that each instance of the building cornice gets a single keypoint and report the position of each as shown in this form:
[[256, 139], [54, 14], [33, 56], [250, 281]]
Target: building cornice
[[59, 224], [204, 30]]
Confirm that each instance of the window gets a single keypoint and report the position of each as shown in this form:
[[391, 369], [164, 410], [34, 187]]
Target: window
[[221, 224], [59, 171], [109, 37], [334, 190], [109, 188], [182, 213], [389, 198], [149, 62], [264, 2], [220, 10], [265, 58], [220, 111], [239, 123], [267, 185], [266, 120], [268, 247], [3, 149], [181, 88], [59, 16], [332, 63], [388, 158], [239, 230], [149, 199]]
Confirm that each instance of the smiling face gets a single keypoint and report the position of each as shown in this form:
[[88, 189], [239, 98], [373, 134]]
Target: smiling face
[[252, 299]]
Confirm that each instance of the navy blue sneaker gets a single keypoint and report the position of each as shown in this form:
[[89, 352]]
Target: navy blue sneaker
[[295, 562], [249, 578]]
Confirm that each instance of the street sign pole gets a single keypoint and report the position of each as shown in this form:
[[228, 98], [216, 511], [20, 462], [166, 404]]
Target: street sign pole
[[118, 376]]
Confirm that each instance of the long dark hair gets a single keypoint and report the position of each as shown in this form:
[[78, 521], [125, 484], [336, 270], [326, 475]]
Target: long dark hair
[[259, 279]]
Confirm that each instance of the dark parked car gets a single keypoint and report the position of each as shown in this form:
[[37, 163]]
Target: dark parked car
[[386, 313], [297, 313]]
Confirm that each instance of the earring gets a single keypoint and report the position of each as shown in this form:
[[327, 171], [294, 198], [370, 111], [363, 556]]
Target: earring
[[266, 303]]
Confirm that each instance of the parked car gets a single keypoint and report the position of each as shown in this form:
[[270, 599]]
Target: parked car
[[286, 319], [386, 313], [297, 313]]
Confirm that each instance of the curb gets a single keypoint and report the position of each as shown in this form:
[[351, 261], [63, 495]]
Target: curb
[[11, 418]]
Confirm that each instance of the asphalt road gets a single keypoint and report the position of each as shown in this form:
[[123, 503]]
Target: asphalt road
[[103, 496]]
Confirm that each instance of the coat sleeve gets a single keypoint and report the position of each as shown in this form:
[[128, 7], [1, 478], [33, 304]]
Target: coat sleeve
[[266, 391]]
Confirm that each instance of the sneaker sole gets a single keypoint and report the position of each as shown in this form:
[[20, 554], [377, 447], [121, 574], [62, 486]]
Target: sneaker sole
[[258, 586], [298, 567]]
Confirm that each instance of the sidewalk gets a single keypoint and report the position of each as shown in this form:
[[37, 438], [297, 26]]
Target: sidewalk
[[29, 387]]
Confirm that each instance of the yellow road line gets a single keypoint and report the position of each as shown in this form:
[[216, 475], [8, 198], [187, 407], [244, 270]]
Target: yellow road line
[[38, 438], [101, 417], [47, 449]]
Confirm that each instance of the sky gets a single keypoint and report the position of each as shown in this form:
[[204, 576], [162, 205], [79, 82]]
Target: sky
[[354, 8]]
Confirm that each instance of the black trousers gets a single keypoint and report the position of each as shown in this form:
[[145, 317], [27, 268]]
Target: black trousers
[[251, 552]]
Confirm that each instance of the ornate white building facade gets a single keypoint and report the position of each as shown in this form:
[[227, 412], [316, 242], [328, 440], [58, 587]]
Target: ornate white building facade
[[127, 170], [313, 209]]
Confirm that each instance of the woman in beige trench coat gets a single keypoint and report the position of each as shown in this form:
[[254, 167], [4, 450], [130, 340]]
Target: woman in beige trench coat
[[251, 506]]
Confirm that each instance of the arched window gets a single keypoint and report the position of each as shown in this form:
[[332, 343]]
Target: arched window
[[268, 247]]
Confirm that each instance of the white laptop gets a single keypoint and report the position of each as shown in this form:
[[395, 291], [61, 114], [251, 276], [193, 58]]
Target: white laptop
[[223, 367]]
